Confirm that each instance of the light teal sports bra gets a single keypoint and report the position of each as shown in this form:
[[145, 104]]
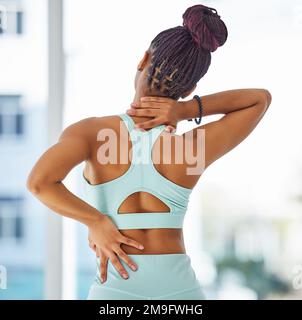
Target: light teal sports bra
[[141, 176]]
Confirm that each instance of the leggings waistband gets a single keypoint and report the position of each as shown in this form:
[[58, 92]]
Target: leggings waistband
[[162, 259]]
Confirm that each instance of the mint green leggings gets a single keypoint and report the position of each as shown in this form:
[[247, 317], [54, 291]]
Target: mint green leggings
[[158, 277]]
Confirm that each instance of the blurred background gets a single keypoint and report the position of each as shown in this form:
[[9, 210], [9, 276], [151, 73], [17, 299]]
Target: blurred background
[[61, 61]]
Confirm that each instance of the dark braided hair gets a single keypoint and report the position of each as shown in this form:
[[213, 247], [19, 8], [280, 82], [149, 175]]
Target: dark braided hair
[[181, 56]]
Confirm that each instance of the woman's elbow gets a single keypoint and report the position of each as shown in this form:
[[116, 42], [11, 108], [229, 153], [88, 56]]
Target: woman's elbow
[[36, 183]]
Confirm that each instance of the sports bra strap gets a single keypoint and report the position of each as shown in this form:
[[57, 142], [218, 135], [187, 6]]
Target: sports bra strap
[[128, 121], [142, 141]]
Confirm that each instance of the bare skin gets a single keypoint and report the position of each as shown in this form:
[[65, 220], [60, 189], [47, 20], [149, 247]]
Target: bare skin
[[242, 110]]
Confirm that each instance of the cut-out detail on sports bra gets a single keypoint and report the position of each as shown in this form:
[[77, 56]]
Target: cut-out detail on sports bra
[[143, 193]]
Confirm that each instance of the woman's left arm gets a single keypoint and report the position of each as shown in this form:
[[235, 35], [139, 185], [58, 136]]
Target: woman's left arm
[[46, 183], [45, 178]]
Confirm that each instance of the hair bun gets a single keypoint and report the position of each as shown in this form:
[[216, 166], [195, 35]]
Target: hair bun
[[205, 27]]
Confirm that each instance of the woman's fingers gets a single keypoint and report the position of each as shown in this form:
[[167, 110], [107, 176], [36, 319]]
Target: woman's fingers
[[154, 99], [126, 258], [149, 124], [114, 257], [143, 112], [146, 105], [160, 110], [103, 266], [118, 266], [152, 102], [156, 119], [131, 242]]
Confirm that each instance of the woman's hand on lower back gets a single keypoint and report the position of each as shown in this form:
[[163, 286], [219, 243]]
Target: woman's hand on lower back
[[105, 239], [160, 110]]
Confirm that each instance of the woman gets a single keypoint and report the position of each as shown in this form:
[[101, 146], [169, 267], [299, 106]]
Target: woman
[[134, 209]]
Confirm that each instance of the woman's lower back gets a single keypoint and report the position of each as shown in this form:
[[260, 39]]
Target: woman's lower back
[[156, 241]]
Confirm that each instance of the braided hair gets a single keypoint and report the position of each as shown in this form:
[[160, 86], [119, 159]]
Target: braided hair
[[181, 56]]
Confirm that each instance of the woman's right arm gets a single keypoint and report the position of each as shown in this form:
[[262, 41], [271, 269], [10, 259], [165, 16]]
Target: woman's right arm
[[242, 109], [45, 182]]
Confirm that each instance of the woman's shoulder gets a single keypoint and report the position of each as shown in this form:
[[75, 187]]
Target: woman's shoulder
[[90, 126], [93, 122]]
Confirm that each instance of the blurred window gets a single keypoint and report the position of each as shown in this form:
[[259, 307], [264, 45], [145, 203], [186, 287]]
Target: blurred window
[[11, 117], [11, 17], [11, 219]]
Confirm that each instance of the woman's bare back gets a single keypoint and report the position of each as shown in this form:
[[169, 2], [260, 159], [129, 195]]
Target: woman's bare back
[[159, 240]]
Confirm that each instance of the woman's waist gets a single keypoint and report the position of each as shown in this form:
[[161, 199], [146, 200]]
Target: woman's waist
[[155, 241]]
